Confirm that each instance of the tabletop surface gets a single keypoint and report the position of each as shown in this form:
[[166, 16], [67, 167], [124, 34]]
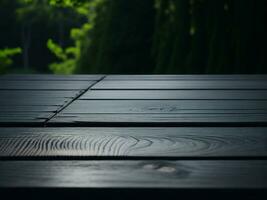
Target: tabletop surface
[[167, 132]]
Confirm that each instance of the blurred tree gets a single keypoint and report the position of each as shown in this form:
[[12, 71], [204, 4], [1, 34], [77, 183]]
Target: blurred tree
[[220, 42], [40, 21], [137, 36], [172, 36], [226, 36], [249, 32], [8, 27], [121, 40]]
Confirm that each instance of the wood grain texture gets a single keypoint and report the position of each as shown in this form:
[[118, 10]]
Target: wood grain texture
[[175, 94], [36, 98], [28, 108], [181, 84], [91, 112], [166, 106], [33, 101], [32, 106], [13, 94], [197, 151], [186, 77], [134, 174], [225, 119], [44, 85], [24, 117], [16, 118], [26, 114], [134, 142]]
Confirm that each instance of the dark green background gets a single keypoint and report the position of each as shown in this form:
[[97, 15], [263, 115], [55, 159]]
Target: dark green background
[[147, 36]]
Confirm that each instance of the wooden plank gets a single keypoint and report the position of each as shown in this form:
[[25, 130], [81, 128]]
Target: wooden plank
[[28, 108], [13, 94], [181, 84], [166, 106], [45, 85], [51, 77], [133, 142], [163, 111], [33, 101], [186, 77], [32, 106], [175, 94], [15, 117], [135, 174], [82, 119], [35, 97], [28, 114]]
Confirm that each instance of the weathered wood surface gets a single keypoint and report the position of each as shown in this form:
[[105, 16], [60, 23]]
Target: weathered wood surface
[[187, 77], [164, 111], [142, 132], [175, 95], [240, 119], [173, 99], [172, 105], [182, 84], [28, 106], [134, 142], [34, 99], [167, 106], [40, 94], [135, 174], [44, 85]]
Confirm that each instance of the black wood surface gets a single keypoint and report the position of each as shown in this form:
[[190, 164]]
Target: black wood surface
[[167, 106], [251, 119], [182, 84], [39, 94], [140, 135], [34, 99], [187, 77], [44, 85], [134, 142], [32, 106], [175, 95], [164, 111], [135, 174]]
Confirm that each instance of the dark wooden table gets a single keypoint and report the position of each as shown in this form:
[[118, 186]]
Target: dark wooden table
[[122, 137]]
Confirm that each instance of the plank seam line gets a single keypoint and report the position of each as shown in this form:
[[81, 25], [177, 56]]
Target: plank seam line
[[211, 89], [130, 158], [74, 99], [156, 124]]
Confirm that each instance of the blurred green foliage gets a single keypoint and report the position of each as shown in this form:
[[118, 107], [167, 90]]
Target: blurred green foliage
[[29, 24], [70, 56], [66, 56], [178, 36], [5, 58], [136, 36]]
